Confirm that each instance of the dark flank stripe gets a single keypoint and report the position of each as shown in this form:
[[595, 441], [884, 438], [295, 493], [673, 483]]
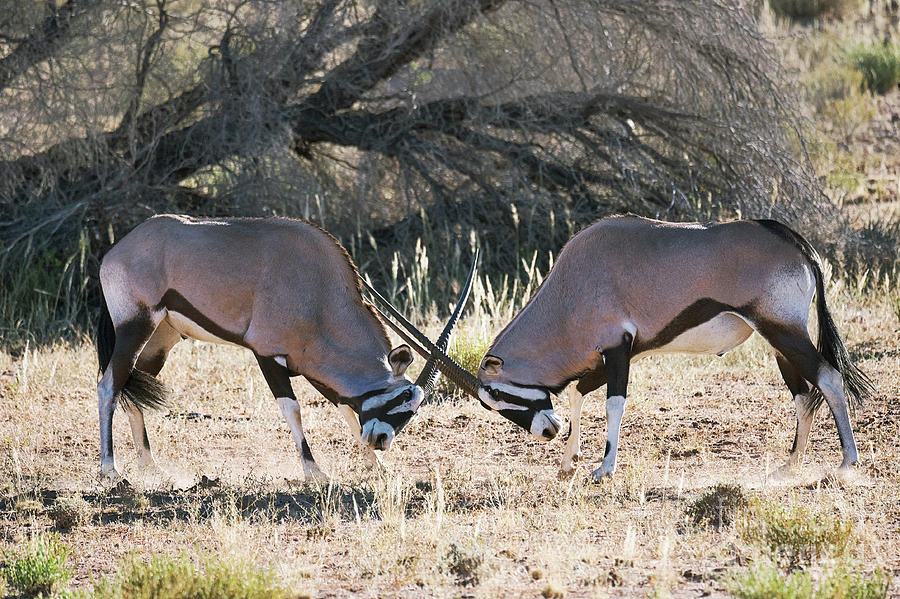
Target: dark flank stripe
[[701, 311], [175, 302]]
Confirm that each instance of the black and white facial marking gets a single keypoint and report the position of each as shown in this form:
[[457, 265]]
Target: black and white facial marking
[[384, 414], [529, 407]]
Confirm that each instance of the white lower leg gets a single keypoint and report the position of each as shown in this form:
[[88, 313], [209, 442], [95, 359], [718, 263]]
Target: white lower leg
[[139, 435], [832, 386], [615, 410], [353, 422], [290, 409], [573, 445], [106, 405]]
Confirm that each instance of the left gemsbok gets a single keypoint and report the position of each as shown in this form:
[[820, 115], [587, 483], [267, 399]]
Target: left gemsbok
[[283, 288]]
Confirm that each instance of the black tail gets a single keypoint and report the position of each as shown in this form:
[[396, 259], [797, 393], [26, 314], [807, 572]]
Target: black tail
[[857, 386], [142, 390]]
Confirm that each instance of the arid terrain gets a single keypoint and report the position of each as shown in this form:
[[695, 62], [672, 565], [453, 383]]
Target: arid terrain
[[468, 505]]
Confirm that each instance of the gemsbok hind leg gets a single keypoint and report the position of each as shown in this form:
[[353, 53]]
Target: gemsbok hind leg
[[130, 338], [616, 363], [152, 359], [793, 342], [799, 389], [279, 382]]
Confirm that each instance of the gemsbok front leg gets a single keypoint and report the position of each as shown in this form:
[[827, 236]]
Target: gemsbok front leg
[[352, 419], [616, 361], [573, 444], [279, 381], [591, 381]]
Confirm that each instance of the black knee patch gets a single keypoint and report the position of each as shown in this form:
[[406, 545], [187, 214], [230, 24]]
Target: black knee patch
[[307, 454]]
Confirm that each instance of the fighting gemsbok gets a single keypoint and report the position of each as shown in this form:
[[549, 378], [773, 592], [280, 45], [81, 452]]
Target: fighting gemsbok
[[627, 287], [283, 288]]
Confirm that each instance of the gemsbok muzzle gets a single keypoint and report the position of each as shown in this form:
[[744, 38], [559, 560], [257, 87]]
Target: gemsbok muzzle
[[529, 407], [383, 416]]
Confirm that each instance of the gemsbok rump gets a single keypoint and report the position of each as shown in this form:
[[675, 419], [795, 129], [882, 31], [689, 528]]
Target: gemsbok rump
[[285, 289], [626, 287]]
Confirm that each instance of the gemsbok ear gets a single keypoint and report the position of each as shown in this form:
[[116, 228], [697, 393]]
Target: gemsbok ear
[[491, 364], [400, 358]]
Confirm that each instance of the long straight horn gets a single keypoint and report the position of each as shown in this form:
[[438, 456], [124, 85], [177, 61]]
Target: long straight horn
[[422, 345], [428, 376]]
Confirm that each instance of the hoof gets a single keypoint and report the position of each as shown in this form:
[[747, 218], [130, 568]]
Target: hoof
[[313, 473], [846, 474], [787, 471], [565, 474], [599, 475], [109, 478]]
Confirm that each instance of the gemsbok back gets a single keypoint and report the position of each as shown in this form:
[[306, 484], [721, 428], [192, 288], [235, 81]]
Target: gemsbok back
[[285, 289], [627, 287]]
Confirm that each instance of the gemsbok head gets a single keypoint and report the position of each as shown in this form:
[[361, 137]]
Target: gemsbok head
[[627, 287], [283, 288]]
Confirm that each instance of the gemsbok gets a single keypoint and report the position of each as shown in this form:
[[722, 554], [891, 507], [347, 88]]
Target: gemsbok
[[627, 287], [283, 288]]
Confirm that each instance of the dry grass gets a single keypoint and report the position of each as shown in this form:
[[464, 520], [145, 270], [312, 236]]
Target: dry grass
[[471, 506]]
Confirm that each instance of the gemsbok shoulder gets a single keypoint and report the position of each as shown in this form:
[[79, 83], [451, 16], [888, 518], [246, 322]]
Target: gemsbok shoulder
[[283, 288], [627, 287]]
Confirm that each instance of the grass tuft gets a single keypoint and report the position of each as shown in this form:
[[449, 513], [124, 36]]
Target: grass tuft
[[767, 581], [40, 569], [28, 507], [796, 535], [552, 591], [717, 507], [464, 563], [166, 578], [879, 64], [69, 512]]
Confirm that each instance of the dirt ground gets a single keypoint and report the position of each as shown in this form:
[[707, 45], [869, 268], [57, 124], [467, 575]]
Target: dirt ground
[[469, 506]]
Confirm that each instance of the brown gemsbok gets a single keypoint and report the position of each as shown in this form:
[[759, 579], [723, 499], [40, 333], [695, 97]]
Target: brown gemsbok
[[285, 289], [626, 287]]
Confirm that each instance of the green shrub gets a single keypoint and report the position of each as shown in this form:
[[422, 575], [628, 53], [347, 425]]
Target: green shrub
[[40, 569], [767, 581], [166, 578], [795, 535], [718, 506], [843, 583], [879, 65], [468, 353]]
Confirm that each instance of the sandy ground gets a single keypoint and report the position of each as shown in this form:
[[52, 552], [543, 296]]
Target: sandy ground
[[470, 506]]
